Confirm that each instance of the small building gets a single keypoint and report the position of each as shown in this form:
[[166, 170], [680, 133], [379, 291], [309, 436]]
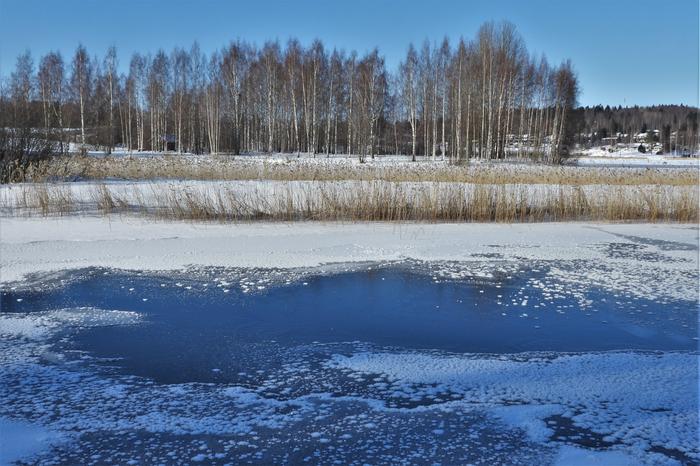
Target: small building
[[647, 136], [170, 142]]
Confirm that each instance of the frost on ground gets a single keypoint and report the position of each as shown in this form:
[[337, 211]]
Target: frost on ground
[[350, 402]]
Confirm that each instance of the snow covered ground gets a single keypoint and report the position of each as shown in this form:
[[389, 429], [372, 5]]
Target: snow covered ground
[[620, 155], [637, 160]]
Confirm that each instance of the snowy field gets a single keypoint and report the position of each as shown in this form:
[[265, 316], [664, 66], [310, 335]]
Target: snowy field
[[635, 159], [578, 343], [590, 158]]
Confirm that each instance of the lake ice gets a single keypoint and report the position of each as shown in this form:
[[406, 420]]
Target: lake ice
[[482, 362]]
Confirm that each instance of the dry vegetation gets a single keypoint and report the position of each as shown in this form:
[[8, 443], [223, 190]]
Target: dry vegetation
[[359, 201], [321, 169], [244, 189]]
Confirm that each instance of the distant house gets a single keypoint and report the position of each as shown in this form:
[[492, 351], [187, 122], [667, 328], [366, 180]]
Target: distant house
[[170, 142], [441, 150], [644, 137]]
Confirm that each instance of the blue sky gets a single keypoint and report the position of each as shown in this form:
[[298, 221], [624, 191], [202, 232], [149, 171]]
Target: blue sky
[[625, 52]]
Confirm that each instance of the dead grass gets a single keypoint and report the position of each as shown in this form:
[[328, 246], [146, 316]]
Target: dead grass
[[226, 168], [45, 199], [362, 201]]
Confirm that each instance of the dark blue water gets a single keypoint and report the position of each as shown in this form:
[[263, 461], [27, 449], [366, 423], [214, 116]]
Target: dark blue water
[[194, 331]]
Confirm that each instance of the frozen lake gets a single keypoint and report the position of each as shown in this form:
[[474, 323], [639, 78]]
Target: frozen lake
[[490, 362]]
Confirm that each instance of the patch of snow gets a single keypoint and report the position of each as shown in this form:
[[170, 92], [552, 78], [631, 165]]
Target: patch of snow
[[528, 418], [39, 325]]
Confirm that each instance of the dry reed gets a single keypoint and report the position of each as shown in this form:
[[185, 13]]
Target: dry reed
[[362, 201], [228, 168]]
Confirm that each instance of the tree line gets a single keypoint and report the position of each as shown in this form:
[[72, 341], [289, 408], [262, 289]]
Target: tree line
[[485, 97], [677, 126]]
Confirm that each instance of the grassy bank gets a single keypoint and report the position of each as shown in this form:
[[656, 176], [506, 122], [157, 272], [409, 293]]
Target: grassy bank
[[357, 201], [322, 169]]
